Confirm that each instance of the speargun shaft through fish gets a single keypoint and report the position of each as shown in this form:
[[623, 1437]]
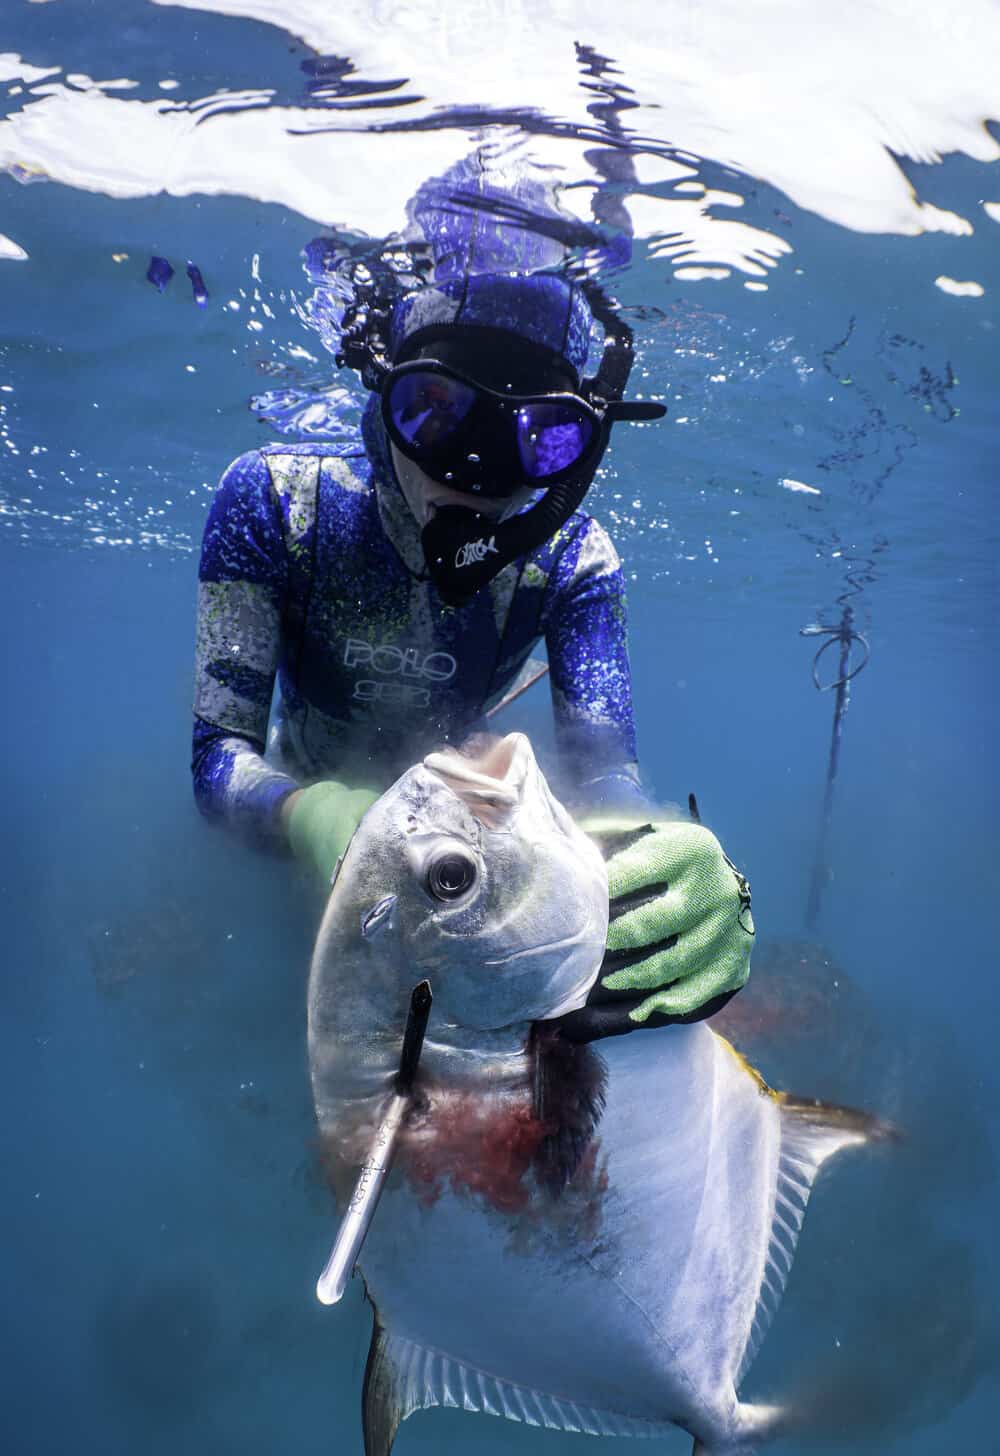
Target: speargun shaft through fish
[[375, 1169]]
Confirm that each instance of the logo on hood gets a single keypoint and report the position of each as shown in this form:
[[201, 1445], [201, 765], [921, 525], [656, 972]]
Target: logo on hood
[[474, 551]]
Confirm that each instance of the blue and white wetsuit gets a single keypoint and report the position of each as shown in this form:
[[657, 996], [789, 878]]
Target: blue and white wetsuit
[[311, 573]]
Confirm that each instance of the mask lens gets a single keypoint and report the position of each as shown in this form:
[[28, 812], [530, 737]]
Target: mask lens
[[551, 437], [427, 408]]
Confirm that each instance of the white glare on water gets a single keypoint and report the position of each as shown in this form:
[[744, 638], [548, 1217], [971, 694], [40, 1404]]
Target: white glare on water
[[762, 89]]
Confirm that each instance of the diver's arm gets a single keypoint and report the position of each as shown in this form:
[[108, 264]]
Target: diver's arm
[[242, 583], [681, 930], [233, 783], [585, 634], [286, 808]]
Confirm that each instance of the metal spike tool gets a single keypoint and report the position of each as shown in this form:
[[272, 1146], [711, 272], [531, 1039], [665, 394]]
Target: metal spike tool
[[375, 1169]]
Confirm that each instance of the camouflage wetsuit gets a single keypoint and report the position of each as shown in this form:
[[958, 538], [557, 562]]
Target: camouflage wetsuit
[[311, 571]]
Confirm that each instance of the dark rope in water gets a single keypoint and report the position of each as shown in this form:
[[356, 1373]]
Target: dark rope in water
[[844, 636]]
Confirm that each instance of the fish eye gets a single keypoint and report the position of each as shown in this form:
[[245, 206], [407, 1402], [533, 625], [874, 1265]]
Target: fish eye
[[450, 875]]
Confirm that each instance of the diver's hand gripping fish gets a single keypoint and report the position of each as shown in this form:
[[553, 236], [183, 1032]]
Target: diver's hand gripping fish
[[592, 1242]]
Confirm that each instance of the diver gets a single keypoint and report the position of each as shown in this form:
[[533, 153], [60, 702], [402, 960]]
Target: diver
[[396, 589]]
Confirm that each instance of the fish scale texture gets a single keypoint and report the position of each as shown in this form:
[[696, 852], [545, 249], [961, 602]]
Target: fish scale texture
[[668, 1261]]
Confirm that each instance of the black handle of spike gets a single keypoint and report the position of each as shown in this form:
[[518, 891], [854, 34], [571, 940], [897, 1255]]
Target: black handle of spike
[[421, 1000], [693, 809]]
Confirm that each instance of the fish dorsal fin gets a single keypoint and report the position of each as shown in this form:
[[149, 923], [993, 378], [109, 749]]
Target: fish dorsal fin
[[403, 1376], [817, 1129], [811, 1132]]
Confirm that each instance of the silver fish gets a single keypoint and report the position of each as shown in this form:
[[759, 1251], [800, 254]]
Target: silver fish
[[589, 1241]]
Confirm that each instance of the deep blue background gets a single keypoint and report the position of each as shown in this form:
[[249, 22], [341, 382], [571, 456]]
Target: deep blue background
[[163, 1218]]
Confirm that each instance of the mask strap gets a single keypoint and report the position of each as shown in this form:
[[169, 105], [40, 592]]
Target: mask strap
[[616, 360]]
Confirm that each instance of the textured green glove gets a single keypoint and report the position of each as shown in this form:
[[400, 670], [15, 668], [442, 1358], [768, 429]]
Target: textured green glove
[[321, 823], [680, 932]]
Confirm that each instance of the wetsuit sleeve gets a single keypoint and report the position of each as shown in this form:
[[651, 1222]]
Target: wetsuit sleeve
[[585, 633], [242, 584]]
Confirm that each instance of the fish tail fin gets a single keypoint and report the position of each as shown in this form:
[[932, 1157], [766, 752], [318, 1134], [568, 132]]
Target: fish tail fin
[[752, 1424]]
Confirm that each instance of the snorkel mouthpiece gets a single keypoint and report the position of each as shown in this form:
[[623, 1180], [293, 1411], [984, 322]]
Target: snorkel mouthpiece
[[464, 549]]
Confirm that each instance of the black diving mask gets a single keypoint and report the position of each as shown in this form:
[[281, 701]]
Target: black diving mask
[[490, 442], [476, 439]]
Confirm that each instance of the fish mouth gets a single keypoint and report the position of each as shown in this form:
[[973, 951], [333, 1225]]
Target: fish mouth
[[528, 953], [523, 963], [488, 775]]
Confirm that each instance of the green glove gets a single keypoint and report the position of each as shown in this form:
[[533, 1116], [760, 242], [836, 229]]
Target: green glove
[[680, 932], [322, 820]]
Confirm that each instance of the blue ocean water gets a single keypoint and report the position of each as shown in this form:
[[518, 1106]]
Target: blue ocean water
[[163, 1212]]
